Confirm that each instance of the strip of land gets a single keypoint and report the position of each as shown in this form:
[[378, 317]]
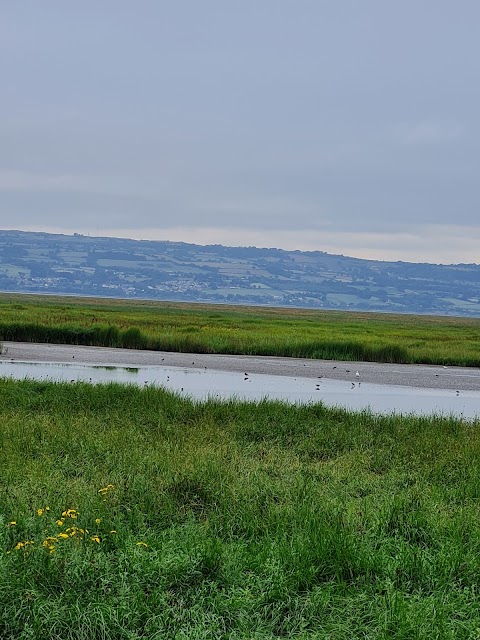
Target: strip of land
[[217, 329], [419, 376]]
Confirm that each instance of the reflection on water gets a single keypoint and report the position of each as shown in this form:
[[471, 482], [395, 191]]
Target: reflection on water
[[201, 384]]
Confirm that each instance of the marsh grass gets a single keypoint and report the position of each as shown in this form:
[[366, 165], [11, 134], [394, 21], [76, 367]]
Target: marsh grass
[[232, 520], [241, 330]]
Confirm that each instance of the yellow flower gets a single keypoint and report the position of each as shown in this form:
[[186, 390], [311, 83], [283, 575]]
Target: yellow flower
[[20, 545], [95, 539], [12, 523], [40, 512], [106, 489], [142, 544], [113, 531], [63, 535], [73, 531], [49, 543], [60, 523], [70, 513], [97, 520]]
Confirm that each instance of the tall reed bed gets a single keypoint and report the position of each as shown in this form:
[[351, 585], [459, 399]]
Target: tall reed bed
[[132, 513], [242, 330]]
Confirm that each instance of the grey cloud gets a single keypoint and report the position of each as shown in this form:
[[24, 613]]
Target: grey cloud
[[356, 117]]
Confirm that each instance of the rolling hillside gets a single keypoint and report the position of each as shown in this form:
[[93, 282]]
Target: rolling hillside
[[122, 268]]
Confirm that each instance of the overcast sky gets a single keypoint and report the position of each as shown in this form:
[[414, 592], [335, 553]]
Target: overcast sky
[[348, 126]]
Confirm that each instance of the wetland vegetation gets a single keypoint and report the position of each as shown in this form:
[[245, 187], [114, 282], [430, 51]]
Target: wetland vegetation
[[201, 328], [133, 513]]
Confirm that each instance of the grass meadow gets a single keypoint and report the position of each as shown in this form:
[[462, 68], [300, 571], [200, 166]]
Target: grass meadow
[[132, 513], [200, 328]]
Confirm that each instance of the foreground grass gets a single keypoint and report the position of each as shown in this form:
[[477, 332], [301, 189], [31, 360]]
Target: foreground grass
[[173, 519], [241, 330]]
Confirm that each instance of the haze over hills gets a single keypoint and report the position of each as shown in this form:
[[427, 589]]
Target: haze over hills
[[33, 262]]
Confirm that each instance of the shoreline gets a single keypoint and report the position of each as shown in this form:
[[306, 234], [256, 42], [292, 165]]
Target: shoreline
[[406, 375]]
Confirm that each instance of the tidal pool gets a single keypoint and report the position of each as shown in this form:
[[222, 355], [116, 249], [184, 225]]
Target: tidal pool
[[202, 384]]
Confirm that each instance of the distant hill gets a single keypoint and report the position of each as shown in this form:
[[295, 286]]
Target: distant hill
[[115, 267]]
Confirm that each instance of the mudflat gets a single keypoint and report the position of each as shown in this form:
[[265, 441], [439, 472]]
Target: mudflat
[[420, 376]]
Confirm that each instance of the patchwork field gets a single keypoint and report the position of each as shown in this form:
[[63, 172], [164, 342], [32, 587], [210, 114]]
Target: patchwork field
[[160, 270]]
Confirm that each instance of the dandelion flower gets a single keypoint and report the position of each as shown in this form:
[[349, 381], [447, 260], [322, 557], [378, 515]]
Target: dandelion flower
[[60, 522], [70, 513], [12, 523], [20, 545], [63, 535], [142, 544], [40, 512], [97, 520], [106, 489], [49, 544], [113, 531], [95, 539]]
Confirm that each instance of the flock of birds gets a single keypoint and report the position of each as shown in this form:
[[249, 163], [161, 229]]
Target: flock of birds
[[247, 378], [357, 376]]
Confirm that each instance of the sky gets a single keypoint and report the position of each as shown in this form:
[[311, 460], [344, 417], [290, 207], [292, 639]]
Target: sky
[[351, 127]]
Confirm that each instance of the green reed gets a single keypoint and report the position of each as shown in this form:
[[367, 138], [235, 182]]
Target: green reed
[[241, 330]]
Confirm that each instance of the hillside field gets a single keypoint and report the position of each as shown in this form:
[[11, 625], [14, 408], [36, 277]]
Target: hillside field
[[59, 264]]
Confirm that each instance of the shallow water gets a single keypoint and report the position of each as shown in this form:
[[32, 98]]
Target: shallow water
[[201, 384]]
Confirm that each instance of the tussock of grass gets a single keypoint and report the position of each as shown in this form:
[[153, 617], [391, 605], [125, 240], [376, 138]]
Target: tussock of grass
[[232, 520], [242, 330]]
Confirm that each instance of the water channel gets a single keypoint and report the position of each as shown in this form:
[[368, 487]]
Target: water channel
[[201, 384]]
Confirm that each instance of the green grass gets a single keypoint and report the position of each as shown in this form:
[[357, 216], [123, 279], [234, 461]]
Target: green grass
[[257, 520], [241, 330]]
